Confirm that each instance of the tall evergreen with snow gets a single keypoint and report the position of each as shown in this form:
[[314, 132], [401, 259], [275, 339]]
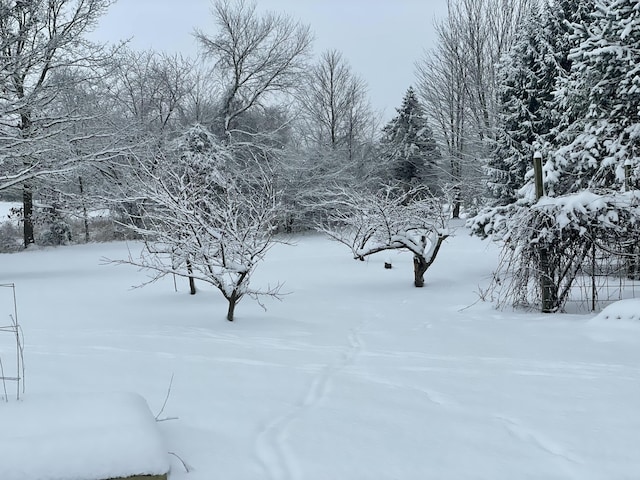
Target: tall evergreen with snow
[[600, 144], [593, 154], [524, 92], [409, 147], [531, 111], [565, 20]]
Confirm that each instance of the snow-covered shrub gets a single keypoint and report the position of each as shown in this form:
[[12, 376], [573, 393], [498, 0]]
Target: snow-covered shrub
[[56, 233], [546, 243], [54, 225], [10, 237]]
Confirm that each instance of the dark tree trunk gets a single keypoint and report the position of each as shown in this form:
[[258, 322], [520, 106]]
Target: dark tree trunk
[[85, 215], [633, 263], [457, 202], [547, 285], [420, 266], [27, 215], [233, 300], [27, 193], [456, 209], [192, 282]]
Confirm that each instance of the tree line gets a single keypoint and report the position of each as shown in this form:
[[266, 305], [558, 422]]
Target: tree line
[[208, 160]]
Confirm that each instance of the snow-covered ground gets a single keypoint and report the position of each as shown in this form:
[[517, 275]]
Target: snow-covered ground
[[355, 375]]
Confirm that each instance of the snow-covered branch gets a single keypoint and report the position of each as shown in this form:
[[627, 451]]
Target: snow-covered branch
[[547, 243], [389, 219], [202, 221]]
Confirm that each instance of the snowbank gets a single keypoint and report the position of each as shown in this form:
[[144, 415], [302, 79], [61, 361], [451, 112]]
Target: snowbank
[[621, 310], [89, 437]]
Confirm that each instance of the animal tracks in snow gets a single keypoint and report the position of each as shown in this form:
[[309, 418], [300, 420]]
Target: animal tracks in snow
[[527, 434], [272, 446]]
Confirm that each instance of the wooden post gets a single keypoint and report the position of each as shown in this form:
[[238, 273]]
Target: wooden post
[[594, 287], [537, 169], [627, 176], [633, 260], [546, 282]]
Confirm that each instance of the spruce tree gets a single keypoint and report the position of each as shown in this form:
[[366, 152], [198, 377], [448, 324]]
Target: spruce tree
[[534, 109], [524, 91], [409, 147], [598, 101], [602, 137]]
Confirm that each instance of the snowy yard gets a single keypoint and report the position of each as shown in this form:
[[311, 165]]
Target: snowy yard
[[355, 375]]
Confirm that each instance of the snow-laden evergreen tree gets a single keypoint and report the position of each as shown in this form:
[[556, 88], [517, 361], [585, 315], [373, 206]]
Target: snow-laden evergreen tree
[[409, 147], [525, 90], [592, 156], [599, 144], [566, 21], [531, 74]]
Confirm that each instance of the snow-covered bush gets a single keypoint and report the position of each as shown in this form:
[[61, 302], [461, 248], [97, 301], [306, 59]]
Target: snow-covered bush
[[10, 237], [546, 243], [58, 233], [54, 226]]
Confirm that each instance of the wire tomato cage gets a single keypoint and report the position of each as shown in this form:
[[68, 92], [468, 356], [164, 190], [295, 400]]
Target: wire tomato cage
[[11, 338]]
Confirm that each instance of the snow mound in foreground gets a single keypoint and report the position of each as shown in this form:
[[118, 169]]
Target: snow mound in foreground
[[621, 310], [92, 437]]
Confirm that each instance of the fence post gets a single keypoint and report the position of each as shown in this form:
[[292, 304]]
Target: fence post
[[537, 170], [546, 282]]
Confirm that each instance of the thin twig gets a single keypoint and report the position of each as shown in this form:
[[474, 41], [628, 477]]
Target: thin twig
[[185, 465], [166, 398], [167, 419]]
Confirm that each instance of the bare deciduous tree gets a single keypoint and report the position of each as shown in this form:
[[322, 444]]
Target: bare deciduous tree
[[390, 219], [150, 88], [334, 104], [255, 55], [441, 82], [458, 82], [202, 219], [39, 38]]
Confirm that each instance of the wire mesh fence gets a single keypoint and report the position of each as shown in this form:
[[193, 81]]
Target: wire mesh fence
[[611, 272]]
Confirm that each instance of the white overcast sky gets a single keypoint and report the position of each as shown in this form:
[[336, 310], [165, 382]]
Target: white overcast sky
[[381, 39]]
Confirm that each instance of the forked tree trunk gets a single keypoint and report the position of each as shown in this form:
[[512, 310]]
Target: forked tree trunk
[[236, 294], [422, 263], [420, 266]]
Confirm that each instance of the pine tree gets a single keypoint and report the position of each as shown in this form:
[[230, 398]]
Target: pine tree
[[531, 74], [599, 146], [524, 91], [409, 147]]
